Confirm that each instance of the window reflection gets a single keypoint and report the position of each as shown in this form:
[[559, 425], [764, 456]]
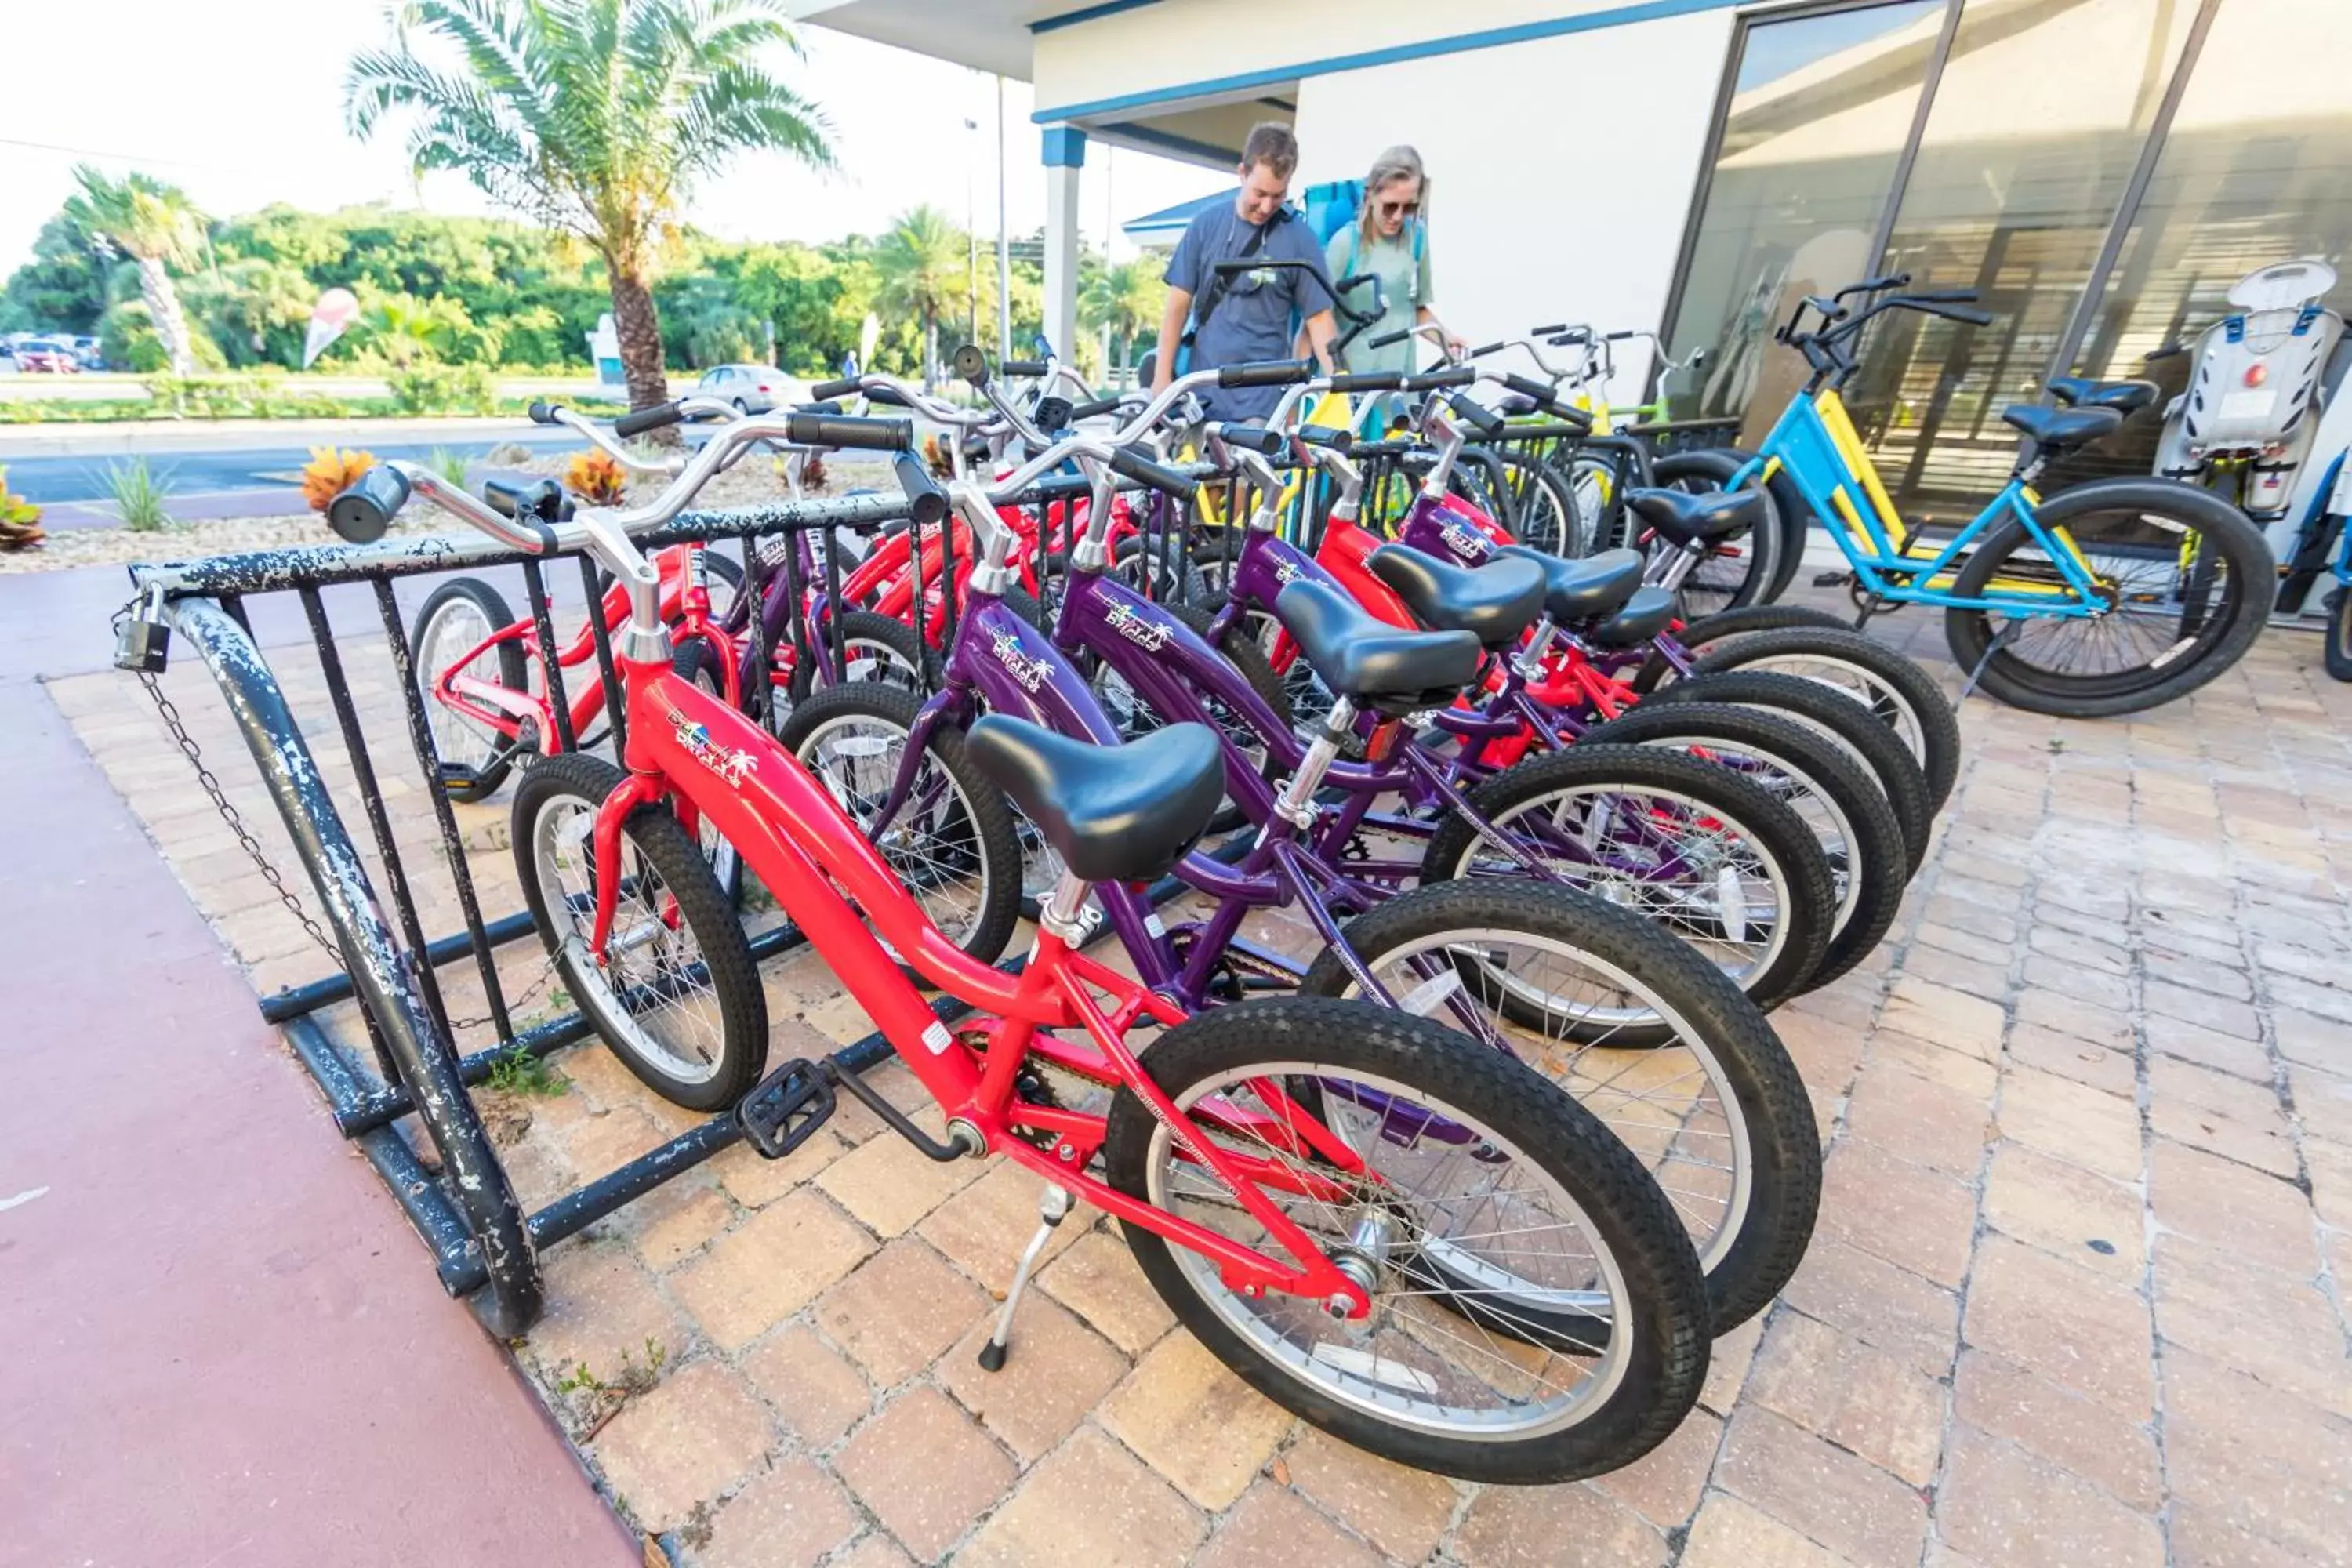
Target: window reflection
[[1819, 109]]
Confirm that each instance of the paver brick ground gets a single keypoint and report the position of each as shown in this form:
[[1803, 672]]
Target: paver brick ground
[[2077, 1295]]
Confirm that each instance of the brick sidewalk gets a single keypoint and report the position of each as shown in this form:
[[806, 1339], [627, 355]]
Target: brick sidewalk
[[2076, 1296]]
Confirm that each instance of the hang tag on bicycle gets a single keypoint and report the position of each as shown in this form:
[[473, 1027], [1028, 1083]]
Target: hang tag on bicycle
[[142, 645]]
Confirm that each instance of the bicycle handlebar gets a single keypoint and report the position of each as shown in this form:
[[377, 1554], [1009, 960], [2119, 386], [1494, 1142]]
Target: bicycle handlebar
[[844, 430], [637, 422], [1254, 438], [1264, 373]]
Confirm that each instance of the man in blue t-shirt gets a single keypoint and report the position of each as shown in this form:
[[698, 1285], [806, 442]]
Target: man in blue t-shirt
[[1252, 315]]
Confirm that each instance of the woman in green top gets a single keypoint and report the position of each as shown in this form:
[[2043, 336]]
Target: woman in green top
[[1391, 240]]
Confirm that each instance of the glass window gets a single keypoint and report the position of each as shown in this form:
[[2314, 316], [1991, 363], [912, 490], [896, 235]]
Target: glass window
[[2257, 169], [1821, 107], [2039, 119]]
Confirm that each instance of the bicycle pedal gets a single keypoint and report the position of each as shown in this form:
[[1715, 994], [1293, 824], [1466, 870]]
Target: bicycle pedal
[[460, 775], [1833, 579], [786, 1106]]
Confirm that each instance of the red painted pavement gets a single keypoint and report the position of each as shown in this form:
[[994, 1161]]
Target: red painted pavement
[[219, 1341]]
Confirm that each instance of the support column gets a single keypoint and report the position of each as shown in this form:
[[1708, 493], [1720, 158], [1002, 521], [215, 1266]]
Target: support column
[[1065, 155]]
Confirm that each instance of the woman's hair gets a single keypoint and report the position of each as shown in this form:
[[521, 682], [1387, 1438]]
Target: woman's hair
[[1396, 163]]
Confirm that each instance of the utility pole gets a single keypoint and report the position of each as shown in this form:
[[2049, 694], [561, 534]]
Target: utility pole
[[972, 226], [1004, 251]]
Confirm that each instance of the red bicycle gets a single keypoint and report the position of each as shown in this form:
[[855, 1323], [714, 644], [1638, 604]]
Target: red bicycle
[[1418, 1245]]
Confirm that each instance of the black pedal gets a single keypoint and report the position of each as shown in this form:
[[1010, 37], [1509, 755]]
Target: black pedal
[[785, 1107], [1833, 579]]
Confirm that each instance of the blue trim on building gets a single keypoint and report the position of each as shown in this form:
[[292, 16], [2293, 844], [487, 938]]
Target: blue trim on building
[[1170, 141], [1064, 147], [1460, 43], [1087, 14]]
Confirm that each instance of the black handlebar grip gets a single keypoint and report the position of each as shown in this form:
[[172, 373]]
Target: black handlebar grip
[[1544, 394], [1963, 313], [1385, 339], [1032, 368], [645, 419], [1368, 381], [1946, 296], [366, 508], [1324, 436], [1481, 418], [839, 430], [827, 391], [1547, 331], [1438, 380], [1100, 405], [930, 502], [1257, 438], [1135, 466], [1267, 372], [1482, 349], [544, 413], [503, 496], [889, 398]]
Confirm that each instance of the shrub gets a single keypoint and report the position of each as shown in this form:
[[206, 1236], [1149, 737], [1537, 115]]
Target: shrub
[[330, 472], [20, 519], [596, 479], [444, 389], [139, 492]]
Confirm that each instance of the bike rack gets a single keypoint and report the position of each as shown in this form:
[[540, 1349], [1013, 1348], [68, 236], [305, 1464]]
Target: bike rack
[[460, 1199]]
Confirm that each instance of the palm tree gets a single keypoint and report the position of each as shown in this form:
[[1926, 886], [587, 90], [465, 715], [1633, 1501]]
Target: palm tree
[[1124, 301], [922, 265], [596, 117], [158, 226]]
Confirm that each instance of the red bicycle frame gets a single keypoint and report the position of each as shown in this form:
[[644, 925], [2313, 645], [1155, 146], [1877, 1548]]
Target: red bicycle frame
[[684, 607], [707, 760]]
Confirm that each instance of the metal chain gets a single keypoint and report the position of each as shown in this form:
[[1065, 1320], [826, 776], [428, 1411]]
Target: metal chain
[[270, 873], [245, 840]]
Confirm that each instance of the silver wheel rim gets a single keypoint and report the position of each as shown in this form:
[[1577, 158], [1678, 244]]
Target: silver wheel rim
[[1799, 791], [454, 625], [657, 1001], [1858, 683], [1728, 872], [938, 861], [1672, 1104], [1409, 1348]]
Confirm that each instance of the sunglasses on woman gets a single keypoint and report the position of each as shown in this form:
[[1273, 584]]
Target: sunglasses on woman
[[1400, 209]]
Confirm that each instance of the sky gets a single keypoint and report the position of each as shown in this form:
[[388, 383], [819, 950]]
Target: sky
[[240, 103]]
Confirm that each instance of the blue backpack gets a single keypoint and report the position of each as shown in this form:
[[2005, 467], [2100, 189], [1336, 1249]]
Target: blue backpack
[[1338, 204]]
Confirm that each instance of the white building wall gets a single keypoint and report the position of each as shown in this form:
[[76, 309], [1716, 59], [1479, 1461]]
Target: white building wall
[[1176, 45], [1562, 169]]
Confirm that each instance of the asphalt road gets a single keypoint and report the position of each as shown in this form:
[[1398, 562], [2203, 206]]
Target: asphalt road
[[83, 478]]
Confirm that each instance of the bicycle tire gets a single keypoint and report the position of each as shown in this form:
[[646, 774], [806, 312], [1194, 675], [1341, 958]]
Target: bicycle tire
[[1657, 1339], [1478, 478], [513, 673], [1546, 514], [1791, 514], [673, 865], [1889, 760], [986, 842], [1696, 636], [2182, 668], [1848, 810], [1767, 828], [1241, 651], [1751, 1252], [2336, 653], [1933, 738], [887, 642]]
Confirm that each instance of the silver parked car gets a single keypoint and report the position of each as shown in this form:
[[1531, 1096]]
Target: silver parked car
[[751, 386]]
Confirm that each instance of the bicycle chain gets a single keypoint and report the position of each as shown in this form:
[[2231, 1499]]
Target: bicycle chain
[[229, 814]]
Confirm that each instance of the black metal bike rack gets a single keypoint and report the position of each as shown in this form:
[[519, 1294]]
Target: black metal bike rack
[[451, 1182]]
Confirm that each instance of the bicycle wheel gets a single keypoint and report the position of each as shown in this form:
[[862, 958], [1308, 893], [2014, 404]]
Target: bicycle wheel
[[2337, 654], [1896, 691], [1840, 719], [457, 617], [1714, 1108], [1135, 717], [2184, 578], [1739, 571], [1696, 636], [1547, 515], [1706, 856], [1474, 1169], [678, 998], [952, 843], [874, 648], [1479, 479], [1807, 772]]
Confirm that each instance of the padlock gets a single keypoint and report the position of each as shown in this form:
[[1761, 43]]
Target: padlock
[[144, 644]]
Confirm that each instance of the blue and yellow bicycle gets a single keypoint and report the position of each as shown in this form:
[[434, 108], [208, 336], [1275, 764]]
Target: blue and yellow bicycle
[[2109, 598]]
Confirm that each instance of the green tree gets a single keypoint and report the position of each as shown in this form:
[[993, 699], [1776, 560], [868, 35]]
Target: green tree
[[1124, 300], [158, 226], [62, 288], [924, 274], [594, 116], [255, 309]]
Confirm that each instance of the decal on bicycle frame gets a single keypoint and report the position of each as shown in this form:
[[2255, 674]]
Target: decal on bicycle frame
[[1147, 635], [1030, 672], [695, 739]]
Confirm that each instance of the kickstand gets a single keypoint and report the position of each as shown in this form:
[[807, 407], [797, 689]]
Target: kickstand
[[1871, 605], [1053, 1207], [1977, 674]]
